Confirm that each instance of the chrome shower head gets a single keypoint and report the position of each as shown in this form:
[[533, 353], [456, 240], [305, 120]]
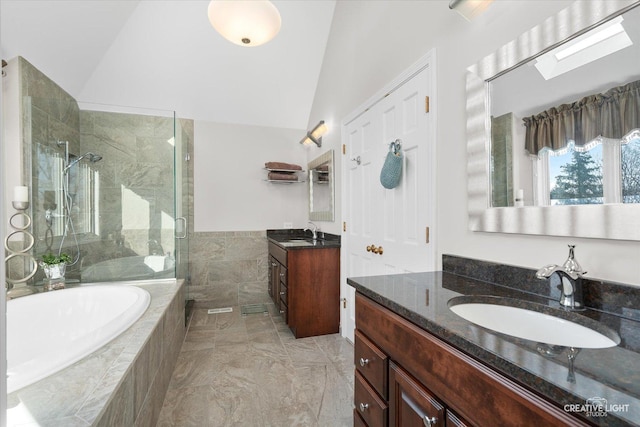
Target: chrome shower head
[[92, 157]]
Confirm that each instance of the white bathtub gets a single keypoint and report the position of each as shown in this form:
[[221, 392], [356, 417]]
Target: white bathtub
[[49, 331]]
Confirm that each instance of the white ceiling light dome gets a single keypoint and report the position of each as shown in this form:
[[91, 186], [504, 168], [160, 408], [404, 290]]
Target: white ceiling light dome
[[245, 22]]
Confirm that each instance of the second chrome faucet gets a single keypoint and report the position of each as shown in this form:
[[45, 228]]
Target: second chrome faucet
[[570, 274]]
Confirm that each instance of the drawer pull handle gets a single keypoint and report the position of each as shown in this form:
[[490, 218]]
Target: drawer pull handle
[[282, 292], [364, 361], [281, 274], [273, 264], [281, 311], [430, 422], [364, 407]]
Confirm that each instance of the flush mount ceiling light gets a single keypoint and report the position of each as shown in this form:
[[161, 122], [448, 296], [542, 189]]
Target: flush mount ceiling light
[[245, 23], [469, 9], [314, 136]]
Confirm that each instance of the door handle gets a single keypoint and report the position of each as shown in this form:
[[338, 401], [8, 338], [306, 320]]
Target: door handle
[[375, 249], [183, 229]]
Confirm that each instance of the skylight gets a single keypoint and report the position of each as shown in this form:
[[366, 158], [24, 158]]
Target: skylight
[[595, 44]]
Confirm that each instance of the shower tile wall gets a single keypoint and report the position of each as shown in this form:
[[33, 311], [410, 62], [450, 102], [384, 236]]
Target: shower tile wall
[[229, 268], [49, 115], [136, 181]]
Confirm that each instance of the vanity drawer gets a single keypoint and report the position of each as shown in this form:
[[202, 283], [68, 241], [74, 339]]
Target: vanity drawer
[[371, 363], [283, 293], [283, 275], [357, 419], [368, 404], [278, 253]]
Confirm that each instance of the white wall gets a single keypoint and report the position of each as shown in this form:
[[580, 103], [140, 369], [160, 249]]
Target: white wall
[[230, 193], [372, 42], [3, 295]]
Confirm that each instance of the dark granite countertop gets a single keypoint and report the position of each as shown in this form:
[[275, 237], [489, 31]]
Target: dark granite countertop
[[298, 238], [610, 373]]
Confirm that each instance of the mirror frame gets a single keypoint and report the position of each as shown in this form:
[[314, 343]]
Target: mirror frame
[[608, 221], [322, 215]]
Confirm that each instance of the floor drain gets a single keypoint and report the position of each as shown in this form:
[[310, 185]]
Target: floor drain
[[254, 309], [220, 310]]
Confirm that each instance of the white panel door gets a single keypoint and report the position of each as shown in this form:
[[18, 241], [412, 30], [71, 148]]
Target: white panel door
[[395, 220]]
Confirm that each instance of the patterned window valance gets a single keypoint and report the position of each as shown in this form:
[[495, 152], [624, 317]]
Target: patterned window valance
[[612, 114]]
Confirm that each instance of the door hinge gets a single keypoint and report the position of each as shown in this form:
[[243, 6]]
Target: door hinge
[[344, 226], [427, 235], [344, 148], [344, 302], [426, 104]]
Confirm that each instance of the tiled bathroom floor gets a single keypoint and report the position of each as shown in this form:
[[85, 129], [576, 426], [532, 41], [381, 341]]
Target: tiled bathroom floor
[[236, 370]]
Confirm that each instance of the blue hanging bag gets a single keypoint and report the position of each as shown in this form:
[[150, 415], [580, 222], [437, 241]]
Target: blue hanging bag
[[392, 168]]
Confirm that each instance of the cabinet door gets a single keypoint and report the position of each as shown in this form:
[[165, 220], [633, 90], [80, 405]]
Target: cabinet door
[[274, 281], [272, 277], [410, 404]]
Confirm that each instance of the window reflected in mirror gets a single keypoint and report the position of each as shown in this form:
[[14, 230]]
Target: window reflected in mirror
[[565, 124], [630, 169], [576, 176]]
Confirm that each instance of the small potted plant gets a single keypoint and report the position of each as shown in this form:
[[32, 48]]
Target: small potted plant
[[54, 266]]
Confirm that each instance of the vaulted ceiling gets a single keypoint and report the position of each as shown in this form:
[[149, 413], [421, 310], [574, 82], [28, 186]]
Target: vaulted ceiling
[[165, 55]]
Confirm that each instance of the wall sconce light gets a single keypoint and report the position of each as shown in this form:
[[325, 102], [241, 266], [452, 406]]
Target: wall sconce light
[[469, 9], [314, 136], [245, 23]]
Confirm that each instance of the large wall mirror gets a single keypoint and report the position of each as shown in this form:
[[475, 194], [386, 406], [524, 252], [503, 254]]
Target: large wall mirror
[[321, 185], [553, 127]]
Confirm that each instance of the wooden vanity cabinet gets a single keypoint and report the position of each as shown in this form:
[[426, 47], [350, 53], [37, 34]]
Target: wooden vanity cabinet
[[431, 383], [304, 284]]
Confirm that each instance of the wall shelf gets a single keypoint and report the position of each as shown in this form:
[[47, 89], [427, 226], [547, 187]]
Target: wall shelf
[[285, 172]]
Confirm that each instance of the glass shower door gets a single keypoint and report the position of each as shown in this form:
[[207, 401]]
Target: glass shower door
[[183, 198]]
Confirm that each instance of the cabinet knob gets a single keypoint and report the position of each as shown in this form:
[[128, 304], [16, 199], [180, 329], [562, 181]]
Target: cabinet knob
[[364, 407], [430, 422], [363, 361]]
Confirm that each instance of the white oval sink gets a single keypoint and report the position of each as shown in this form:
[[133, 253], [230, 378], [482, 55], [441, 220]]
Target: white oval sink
[[528, 321]]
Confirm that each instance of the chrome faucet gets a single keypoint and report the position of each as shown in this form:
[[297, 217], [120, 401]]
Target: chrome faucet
[[155, 248], [570, 274], [313, 229]]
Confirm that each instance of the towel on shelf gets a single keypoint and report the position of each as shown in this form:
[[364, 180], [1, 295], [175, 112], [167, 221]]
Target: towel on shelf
[[282, 176], [282, 166]]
